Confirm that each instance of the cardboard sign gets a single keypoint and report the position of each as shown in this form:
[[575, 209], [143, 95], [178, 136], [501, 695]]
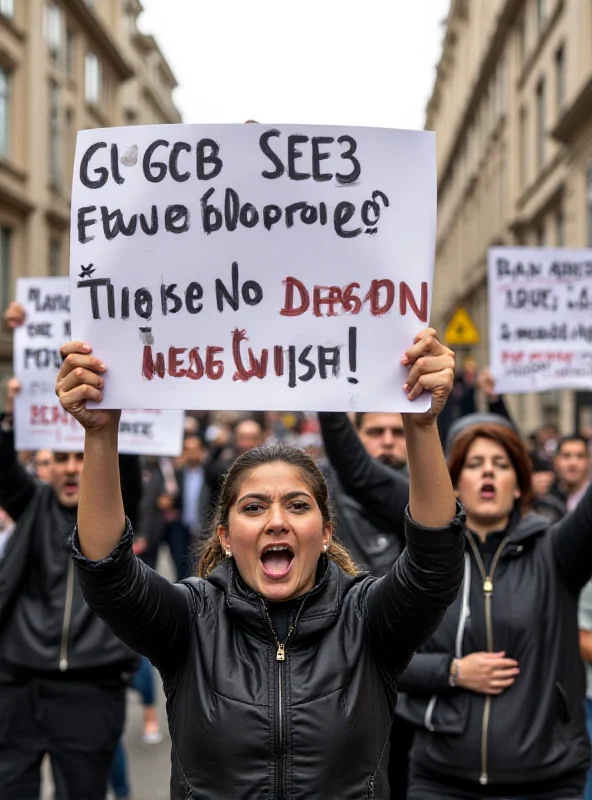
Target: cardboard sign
[[40, 420], [540, 323], [252, 266]]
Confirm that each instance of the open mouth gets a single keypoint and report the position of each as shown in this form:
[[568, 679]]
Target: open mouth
[[276, 560], [70, 487], [487, 491]]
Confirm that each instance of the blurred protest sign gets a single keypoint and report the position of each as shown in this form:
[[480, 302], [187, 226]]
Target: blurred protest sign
[[253, 267], [540, 323], [40, 421]]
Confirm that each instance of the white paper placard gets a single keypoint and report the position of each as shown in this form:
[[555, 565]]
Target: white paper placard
[[253, 266], [40, 421], [540, 321]]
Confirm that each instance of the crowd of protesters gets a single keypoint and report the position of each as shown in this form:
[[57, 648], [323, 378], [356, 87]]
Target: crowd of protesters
[[493, 703]]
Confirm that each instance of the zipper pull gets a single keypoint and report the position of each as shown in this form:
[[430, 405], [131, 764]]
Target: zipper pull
[[281, 652], [488, 586]]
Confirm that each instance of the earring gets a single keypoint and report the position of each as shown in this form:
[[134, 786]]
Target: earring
[[326, 547], [228, 553]]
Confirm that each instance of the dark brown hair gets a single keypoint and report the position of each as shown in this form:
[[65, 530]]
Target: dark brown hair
[[213, 554], [512, 444]]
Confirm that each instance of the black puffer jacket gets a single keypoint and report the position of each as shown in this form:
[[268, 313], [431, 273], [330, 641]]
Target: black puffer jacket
[[246, 724], [535, 731]]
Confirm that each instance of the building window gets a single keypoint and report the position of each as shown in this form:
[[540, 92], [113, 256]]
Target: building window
[[541, 14], [92, 79], [540, 234], [559, 228], [55, 257], [53, 30], [541, 132], [54, 135], [523, 166], [589, 206], [4, 112], [7, 8], [560, 77], [5, 266], [70, 51]]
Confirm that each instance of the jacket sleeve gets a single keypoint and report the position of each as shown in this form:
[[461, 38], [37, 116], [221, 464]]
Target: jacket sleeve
[[571, 539], [151, 615], [380, 489], [427, 674], [404, 608], [498, 406], [130, 472], [17, 487]]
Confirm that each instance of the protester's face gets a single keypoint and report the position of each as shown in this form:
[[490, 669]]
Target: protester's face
[[64, 477], [384, 438], [43, 463], [248, 434], [572, 464], [276, 509], [487, 486], [193, 452]]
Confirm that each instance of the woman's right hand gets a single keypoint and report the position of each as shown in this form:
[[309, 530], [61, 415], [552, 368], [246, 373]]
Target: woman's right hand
[[487, 673], [80, 379]]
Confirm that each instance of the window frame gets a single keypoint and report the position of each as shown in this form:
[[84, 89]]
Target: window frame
[[93, 83], [7, 9]]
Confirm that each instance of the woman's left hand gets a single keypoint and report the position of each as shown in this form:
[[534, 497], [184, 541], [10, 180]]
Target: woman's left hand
[[431, 369]]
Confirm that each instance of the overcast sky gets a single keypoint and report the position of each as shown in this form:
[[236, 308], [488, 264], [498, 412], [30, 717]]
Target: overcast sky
[[343, 62]]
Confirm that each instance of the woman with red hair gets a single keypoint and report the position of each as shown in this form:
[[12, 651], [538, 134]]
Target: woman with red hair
[[498, 691]]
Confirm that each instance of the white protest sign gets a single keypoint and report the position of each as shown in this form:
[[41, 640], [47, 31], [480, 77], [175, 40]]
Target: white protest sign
[[540, 326], [40, 421], [251, 266]]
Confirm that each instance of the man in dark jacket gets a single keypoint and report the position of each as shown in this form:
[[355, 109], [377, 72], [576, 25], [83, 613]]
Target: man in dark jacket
[[62, 672], [370, 467]]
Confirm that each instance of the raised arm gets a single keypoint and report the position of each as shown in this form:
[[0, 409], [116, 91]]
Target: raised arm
[[382, 491], [17, 487], [142, 608], [405, 607], [571, 539]]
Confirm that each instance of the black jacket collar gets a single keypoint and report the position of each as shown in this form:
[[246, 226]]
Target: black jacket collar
[[320, 610]]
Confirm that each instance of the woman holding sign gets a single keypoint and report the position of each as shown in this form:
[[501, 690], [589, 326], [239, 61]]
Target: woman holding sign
[[279, 663]]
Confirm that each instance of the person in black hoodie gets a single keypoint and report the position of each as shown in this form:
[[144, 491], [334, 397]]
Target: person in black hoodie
[[279, 662], [498, 691]]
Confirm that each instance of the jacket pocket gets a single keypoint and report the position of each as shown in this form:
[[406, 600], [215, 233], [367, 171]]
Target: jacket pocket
[[562, 703], [447, 714]]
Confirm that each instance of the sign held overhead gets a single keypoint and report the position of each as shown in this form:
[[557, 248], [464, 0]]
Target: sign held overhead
[[252, 266]]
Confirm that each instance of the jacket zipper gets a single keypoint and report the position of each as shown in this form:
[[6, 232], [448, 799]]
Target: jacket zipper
[[487, 593], [280, 657], [67, 617]]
